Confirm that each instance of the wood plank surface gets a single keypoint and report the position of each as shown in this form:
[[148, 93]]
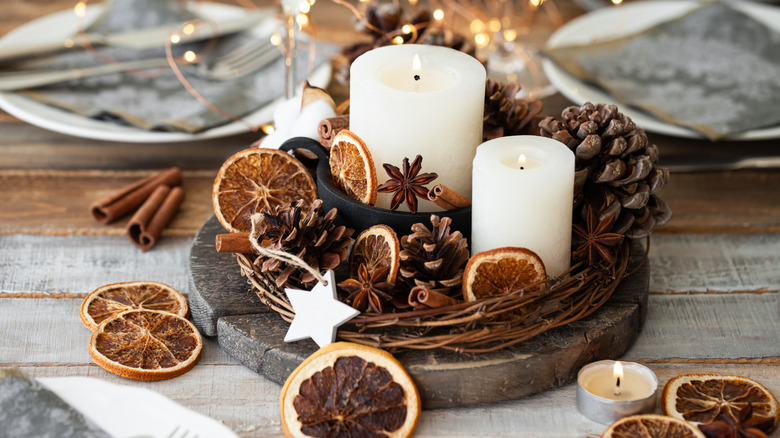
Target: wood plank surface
[[58, 201], [49, 331], [80, 264], [248, 404], [678, 328], [690, 263]]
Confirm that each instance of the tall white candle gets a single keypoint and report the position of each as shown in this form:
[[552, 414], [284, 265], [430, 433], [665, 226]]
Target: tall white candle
[[433, 109], [523, 188]]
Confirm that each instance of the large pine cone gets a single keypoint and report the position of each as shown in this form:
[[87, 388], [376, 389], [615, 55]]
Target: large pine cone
[[507, 115], [301, 231], [615, 164], [434, 258]]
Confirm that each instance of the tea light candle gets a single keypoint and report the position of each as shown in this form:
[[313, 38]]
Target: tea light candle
[[523, 187], [413, 99], [608, 390]]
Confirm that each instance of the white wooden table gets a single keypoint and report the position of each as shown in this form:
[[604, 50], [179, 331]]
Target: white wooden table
[[713, 305]]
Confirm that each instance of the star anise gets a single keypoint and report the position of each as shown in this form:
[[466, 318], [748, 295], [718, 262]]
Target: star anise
[[368, 291], [597, 241], [407, 185], [744, 426]]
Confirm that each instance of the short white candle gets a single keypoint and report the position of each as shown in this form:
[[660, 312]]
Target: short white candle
[[524, 203], [600, 399], [433, 109]]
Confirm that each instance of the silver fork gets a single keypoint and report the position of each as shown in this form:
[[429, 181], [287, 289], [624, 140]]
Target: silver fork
[[234, 64]]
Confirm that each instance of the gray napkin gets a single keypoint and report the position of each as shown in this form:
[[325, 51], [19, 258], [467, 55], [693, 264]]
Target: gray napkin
[[27, 409], [160, 102], [714, 70]]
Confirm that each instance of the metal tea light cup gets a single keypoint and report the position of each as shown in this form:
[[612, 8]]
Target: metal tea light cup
[[607, 411]]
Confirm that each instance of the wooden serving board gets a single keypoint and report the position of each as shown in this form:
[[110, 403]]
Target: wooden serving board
[[222, 305]]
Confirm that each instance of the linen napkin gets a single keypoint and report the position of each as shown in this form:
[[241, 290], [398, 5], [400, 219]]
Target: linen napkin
[[714, 70], [27, 409], [159, 102]]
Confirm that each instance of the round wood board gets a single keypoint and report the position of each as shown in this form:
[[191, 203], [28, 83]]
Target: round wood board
[[222, 305]]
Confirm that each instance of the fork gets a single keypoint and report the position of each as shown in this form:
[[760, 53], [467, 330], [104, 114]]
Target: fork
[[237, 63]]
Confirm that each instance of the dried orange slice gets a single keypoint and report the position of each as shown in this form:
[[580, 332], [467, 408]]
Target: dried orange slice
[[146, 345], [704, 398], [501, 271], [258, 179], [112, 299], [346, 389], [651, 426], [352, 167], [377, 248]]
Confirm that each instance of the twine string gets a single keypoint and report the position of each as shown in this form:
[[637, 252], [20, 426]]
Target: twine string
[[282, 256]]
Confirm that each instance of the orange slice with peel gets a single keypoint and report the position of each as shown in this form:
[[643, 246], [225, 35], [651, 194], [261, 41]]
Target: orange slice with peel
[[352, 167], [255, 180], [346, 389], [113, 299], [146, 345], [704, 398], [501, 271], [651, 426], [377, 247]]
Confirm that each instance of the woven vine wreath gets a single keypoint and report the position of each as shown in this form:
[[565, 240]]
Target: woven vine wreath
[[615, 202]]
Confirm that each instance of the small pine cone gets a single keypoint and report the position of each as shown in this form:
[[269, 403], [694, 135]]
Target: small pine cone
[[433, 258], [301, 231], [615, 163], [505, 114]]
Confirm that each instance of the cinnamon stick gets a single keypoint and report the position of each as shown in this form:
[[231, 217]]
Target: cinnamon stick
[[421, 297], [128, 198], [447, 198], [234, 242], [147, 223], [328, 129]]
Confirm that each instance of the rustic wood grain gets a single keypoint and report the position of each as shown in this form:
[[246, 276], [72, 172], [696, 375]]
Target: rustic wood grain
[[79, 264], [249, 404], [715, 262], [57, 201], [49, 331]]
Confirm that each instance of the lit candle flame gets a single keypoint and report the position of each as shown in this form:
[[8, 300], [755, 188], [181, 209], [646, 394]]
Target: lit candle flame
[[416, 67], [617, 372], [80, 9], [617, 2], [521, 161]]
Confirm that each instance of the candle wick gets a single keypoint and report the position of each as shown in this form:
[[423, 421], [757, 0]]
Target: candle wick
[[416, 77], [522, 168], [617, 386]]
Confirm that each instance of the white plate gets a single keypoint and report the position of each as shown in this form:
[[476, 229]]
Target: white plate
[[124, 411], [627, 19], [61, 25]]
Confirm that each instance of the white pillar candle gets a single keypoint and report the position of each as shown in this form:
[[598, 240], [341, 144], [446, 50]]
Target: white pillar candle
[[433, 109], [526, 204]]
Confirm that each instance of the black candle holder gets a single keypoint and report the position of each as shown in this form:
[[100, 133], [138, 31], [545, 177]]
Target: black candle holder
[[355, 214]]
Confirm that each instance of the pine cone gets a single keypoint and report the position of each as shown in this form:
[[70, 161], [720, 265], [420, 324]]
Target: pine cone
[[433, 258], [301, 231], [614, 168], [505, 114]]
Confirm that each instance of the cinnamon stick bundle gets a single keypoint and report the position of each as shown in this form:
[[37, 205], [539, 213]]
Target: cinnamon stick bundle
[[147, 223], [421, 297], [328, 129], [130, 197], [447, 198], [234, 242]]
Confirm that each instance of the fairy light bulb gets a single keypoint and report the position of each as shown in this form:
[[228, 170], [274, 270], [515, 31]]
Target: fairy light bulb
[[80, 9], [510, 35], [438, 15], [305, 7], [617, 2], [398, 40], [188, 29], [268, 129], [276, 39], [481, 40], [407, 29], [302, 20], [175, 38], [190, 56], [476, 26], [494, 24]]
